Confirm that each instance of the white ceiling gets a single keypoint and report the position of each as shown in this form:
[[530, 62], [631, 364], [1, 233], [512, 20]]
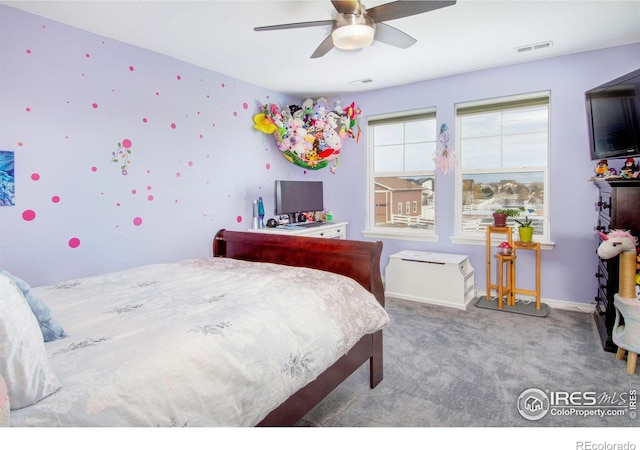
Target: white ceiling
[[471, 35]]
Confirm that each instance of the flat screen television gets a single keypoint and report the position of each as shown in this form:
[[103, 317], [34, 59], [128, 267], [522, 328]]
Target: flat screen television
[[613, 118], [293, 197]]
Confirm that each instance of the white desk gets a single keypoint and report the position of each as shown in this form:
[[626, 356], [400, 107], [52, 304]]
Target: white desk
[[328, 230]]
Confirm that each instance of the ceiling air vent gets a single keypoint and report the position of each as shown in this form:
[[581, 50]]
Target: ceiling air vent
[[532, 47], [363, 81]]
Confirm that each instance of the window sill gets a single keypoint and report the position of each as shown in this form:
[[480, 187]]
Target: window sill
[[402, 234], [481, 240]]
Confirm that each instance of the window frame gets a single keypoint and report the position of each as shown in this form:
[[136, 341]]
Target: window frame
[[501, 104], [378, 232]]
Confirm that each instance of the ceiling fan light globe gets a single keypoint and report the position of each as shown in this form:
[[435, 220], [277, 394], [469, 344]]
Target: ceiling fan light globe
[[353, 37]]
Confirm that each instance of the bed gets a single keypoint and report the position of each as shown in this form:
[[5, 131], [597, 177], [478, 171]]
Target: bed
[[258, 334]]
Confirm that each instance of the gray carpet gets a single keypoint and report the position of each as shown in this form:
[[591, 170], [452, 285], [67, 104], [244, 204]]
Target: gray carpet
[[450, 368]]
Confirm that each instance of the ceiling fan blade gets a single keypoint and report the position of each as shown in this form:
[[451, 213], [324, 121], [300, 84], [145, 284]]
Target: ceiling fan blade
[[347, 6], [286, 26], [400, 9], [392, 36], [323, 48]]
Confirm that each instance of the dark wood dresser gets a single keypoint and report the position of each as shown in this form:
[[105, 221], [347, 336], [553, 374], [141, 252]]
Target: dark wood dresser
[[618, 208]]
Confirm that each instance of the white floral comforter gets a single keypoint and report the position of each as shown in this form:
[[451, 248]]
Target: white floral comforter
[[203, 342]]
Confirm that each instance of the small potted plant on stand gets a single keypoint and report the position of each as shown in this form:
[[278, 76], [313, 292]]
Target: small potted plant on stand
[[526, 228], [500, 216]]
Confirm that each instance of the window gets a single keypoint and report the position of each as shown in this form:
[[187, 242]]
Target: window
[[402, 173], [503, 156]]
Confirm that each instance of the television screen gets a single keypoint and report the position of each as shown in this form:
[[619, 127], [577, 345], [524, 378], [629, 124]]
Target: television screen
[[293, 197], [613, 112]]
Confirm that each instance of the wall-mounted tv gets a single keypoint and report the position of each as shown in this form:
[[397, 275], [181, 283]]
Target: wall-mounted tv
[[293, 197], [613, 118]]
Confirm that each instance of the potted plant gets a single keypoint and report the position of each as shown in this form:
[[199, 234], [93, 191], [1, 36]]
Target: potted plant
[[526, 228], [500, 216]]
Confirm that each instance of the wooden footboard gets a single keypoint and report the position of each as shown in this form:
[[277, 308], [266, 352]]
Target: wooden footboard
[[356, 259]]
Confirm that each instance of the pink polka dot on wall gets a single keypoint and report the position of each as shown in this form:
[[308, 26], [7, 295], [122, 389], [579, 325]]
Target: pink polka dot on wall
[[137, 221], [74, 242], [55, 199], [94, 105], [239, 219], [35, 176], [94, 169], [28, 215]]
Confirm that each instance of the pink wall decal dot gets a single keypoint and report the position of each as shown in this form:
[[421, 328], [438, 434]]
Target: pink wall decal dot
[[222, 84], [55, 199], [239, 219], [190, 163], [144, 120], [29, 215], [179, 77], [178, 174], [148, 188], [94, 169], [235, 114], [173, 125], [150, 198], [126, 143], [74, 242], [94, 105], [20, 143], [245, 105], [87, 55], [28, 51], [157, 93], [268, 166], [27, 109], [134, 192], [131, 69], [137, 221], [35, 176]]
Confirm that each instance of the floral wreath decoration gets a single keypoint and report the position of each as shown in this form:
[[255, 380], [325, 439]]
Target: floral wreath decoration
[[310, 135]]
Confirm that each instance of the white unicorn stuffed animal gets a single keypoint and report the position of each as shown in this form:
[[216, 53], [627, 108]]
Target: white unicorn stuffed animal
[[623, 243]]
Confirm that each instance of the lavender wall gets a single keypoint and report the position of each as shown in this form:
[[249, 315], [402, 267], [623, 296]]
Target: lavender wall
[[568, 270], [69, 99]]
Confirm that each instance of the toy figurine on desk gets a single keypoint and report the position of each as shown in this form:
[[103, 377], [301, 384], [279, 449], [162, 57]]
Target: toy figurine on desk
[[630, 169], [602, 168]]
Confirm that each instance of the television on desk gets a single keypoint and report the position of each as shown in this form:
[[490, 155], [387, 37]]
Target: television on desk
[[293, 197], [613, 118]]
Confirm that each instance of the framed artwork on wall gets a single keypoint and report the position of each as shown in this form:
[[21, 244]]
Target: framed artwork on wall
[[7, 181]]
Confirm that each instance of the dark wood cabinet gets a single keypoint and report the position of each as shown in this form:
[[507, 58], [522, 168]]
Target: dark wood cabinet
[[618, 208]]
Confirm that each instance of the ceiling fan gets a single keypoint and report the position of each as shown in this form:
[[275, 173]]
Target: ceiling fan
[[356, 27]]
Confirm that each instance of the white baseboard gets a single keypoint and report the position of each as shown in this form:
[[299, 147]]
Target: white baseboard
[[557, 304]]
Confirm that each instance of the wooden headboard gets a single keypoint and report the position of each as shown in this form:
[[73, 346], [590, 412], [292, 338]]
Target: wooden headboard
[[359, 260]]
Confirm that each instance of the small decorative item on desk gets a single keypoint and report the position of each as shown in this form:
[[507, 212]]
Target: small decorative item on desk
[[260, 213], [329, 216], [504, 249]]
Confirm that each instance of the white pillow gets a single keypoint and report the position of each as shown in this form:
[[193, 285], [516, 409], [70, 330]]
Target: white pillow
[[23, 360]]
